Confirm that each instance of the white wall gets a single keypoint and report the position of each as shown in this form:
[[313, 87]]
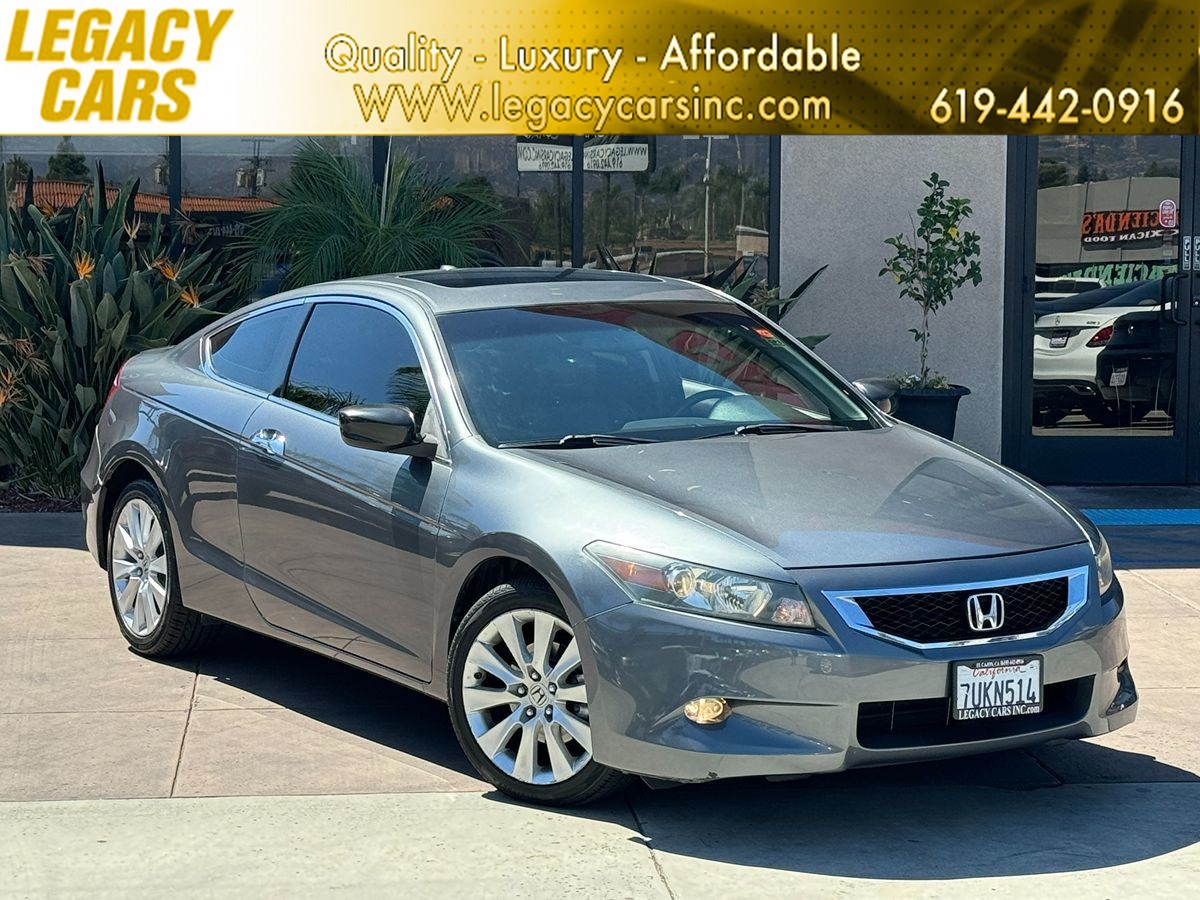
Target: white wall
[[841, 196]]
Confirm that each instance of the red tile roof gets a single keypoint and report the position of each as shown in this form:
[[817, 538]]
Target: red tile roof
[[60, 194], [207, 204]]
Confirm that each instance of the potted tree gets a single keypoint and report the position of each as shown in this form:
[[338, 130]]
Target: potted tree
[[929, 265]]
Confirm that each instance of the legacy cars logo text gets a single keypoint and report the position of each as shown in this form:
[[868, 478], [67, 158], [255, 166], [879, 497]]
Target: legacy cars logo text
[[133, 66]]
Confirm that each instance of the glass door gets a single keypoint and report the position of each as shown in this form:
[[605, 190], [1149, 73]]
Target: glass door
[[1107, 340]]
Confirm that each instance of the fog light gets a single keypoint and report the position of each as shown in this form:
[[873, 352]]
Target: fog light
[[707, 710], [1126, 692]]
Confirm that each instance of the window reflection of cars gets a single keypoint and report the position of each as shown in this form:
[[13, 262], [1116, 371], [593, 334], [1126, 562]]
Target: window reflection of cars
[[1069, 334], [1056, 288], [1136, 370]]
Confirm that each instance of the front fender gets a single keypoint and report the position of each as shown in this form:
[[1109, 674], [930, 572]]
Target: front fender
[[457, 568]]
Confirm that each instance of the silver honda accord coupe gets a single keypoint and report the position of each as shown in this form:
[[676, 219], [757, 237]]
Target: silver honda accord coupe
[[622, 524]]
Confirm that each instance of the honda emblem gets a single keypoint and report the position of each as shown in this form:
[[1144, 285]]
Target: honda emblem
[[985, 612]]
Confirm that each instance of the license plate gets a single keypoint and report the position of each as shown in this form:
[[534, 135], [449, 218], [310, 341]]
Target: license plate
[[1117, 378], [1059, 339], [991, 688]]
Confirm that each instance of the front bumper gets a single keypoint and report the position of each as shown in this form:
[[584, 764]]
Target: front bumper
[[822, 702]]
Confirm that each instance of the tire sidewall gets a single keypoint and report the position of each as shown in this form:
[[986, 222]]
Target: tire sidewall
[[148, 493], [502, 599]]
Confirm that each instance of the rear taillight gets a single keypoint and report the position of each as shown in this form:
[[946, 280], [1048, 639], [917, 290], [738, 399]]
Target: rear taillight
[[116, 384], [1101, 337]]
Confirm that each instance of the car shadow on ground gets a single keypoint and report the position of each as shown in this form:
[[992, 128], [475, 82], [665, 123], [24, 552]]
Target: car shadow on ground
[[999, 814], [924, 822], [243, 668]]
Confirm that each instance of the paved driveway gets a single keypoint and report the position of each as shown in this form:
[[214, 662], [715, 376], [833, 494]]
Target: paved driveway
[[260, 767]]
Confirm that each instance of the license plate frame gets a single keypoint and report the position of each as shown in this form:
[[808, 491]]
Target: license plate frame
[[1118, 377], [1058, 339], [1009, 704]]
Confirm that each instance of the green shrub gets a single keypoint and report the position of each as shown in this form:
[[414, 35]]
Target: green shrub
[[82, 290], [932, 265], [753, 291]]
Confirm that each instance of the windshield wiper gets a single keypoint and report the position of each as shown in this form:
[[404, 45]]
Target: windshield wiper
[[783, 427], [579, 440]]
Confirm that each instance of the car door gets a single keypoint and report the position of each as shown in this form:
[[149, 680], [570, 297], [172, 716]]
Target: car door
[[200, 428], [339, 541]]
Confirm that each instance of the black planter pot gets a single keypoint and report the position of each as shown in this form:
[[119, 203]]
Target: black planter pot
[[933, 409]]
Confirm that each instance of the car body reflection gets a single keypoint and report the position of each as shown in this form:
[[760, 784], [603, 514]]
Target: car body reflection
[[1136, 370], [1070, 335]]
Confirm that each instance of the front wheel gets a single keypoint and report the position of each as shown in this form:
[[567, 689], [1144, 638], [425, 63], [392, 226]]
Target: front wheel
[[518, 700]]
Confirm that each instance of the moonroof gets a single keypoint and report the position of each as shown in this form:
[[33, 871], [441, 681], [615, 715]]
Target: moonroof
[[470, 278]]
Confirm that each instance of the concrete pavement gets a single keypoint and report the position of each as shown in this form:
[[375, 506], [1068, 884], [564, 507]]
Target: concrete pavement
[[264, 768]]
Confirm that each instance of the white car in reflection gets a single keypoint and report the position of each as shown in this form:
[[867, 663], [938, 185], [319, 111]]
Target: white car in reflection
[[1056, 288], [1068, 335]]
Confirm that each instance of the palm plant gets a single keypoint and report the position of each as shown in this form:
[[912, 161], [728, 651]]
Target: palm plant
[[82, 290], [333, 221]]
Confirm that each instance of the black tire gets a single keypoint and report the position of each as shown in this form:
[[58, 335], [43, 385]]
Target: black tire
[[1114, 415], [179, 630], [1048, 417], [594, 780]]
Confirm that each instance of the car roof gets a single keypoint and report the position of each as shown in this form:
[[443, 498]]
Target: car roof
[[457, 290]]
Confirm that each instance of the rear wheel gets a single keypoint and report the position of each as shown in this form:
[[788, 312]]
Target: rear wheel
[[1049, 416], [143, 581], [518, 700], [1116, 415]]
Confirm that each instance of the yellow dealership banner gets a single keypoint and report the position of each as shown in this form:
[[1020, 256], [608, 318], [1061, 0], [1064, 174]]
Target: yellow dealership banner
[[453, 67]]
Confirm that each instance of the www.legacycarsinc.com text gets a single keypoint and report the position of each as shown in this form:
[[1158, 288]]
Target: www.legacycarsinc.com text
[[491, 100]]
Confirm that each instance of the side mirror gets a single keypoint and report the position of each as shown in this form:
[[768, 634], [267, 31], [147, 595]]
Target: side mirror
[[881, 392], [386, 427]]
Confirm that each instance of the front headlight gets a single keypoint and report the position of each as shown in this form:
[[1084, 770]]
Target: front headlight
[[662, 581], [1104, 566]]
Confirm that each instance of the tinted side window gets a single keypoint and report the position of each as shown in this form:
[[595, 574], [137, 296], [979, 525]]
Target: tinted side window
[[355, 354], [255, 351]]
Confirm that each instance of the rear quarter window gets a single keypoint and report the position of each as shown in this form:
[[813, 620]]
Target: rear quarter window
[[255, 351]]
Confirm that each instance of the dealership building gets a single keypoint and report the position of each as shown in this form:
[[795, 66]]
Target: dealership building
[[1080, 346]]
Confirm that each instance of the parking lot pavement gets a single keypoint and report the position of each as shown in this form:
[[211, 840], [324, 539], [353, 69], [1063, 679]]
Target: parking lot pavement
[[262, 767]]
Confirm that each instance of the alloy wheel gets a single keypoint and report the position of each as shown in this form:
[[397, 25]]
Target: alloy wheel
[[138, 567], [524, 697]]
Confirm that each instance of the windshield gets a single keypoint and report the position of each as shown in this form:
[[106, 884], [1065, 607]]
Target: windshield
[[663, 370]]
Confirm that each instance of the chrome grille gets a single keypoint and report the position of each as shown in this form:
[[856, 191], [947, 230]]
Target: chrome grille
[[938, 615]]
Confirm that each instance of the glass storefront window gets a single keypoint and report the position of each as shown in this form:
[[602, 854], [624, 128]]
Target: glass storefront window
[[1104, 348], [63, 167], [531, 177], [686, 204], [225, 178]]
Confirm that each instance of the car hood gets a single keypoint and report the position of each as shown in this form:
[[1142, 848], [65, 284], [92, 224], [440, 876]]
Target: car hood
[[889, 495]]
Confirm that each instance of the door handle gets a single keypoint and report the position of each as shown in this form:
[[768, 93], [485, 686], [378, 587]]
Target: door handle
[[1183, 299], [1165, 295], [270, 441]]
